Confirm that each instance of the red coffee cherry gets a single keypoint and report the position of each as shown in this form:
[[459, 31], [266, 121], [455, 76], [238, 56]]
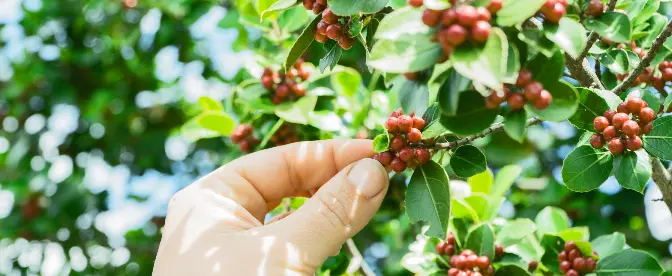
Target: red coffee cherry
[[570, 245], [392, 125], [450, 249], [619, 119], [491, 104], [267, 82], [320, 37], [565, 266], [631, 128], [524, 77], [461, 262], [635, 105], [471, 261], [322, 27], [448, 17], [667, 74], [304, 74], [467, 15], [329, 17], [453, 271], [634, 143], [405, 123], [516, 101], [647, 115], [244, 146], [600, 123], [556, 14], [597, 141], [440, 247], [415, 3], [495, 6], [334, 31], [415, 136], [322, 2], [590, 265], [455, 34], [483, 14], [346, 42], [467, 252], [308, 4], [562, 256], [397, 143], [579, 264], [609, 114], [282, 91], [533, 90], [431, 17], [572, 272], [480, 31], [483, 262], [411, 75], [318, 8], [398, 165], [532, 265], [451, 237], [422, 155], [385, 158], [609, 133], [595, 8], [406, 154], [616, 147], [544, 100], [418, 123], [397, 113], [646, 128], [623, 108], [548, 6], [499, 251]]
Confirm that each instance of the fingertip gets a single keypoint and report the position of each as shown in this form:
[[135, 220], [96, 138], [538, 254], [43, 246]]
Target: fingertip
[[369, 176]]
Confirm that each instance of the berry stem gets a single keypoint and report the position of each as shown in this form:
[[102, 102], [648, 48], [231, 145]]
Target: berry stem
[[357, 257], [492, 129], [647, 59]]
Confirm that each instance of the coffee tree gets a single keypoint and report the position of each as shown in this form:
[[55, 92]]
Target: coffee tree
[[462, 70]]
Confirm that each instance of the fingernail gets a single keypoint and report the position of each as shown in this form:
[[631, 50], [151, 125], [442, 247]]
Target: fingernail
[[369, 176]]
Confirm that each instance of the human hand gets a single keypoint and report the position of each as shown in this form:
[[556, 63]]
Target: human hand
[[213, 226]]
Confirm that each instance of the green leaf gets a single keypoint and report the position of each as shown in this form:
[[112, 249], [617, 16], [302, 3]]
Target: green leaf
[[512, 64], [471, 108], [449, 93], [576, 234], [413, 53], [535, 37], [514, 125], [607, 245], [480, 204], [657, 22], [487, 65], [514, 231], [208, 104], [428, 198], [659, 141], [553, 245], [270, 133], [504, 179], [351, 7], [467, 161], [461, 209], [402, 22], [333, 55], [294, 19], [614, 26], [649, 10], [381, 143], [192, 131], [481, 240], [629, 262], [216, 121], [616, 60], [592, 103], [302, 43], [297, 112], [633, 170], [515, 12], [411, 95], [547, 70], [482, 182], [346, 82], [586, 168], [646, 95], [668, 102], [511, 270], [278, 6], [564, 104], [569, 35], [551, 220]]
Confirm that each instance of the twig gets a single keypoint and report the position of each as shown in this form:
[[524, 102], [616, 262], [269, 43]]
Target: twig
[[492, 129], [582, 72], [647, 59], [663, 179], [592, 38], [598, 68], [357, 256]]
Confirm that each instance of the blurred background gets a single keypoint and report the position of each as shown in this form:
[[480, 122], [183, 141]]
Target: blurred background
[[93, 95]]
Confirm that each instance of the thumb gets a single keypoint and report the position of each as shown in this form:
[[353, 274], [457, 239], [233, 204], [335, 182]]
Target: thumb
[[339, 209]]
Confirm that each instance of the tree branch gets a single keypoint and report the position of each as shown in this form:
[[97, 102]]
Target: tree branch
[[663, 179], [582, 72], [492, 129], [358, 260], [647, 59]]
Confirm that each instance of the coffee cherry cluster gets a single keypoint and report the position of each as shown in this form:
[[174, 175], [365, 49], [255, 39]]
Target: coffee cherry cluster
[[595, 8], [618, 130], [459, 23], [573, 263], [286, 134], [525, 90], [405, 149], [285, 86], [243, 136], [554, 10], [446, 247], [330, 26], [468, 263]]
